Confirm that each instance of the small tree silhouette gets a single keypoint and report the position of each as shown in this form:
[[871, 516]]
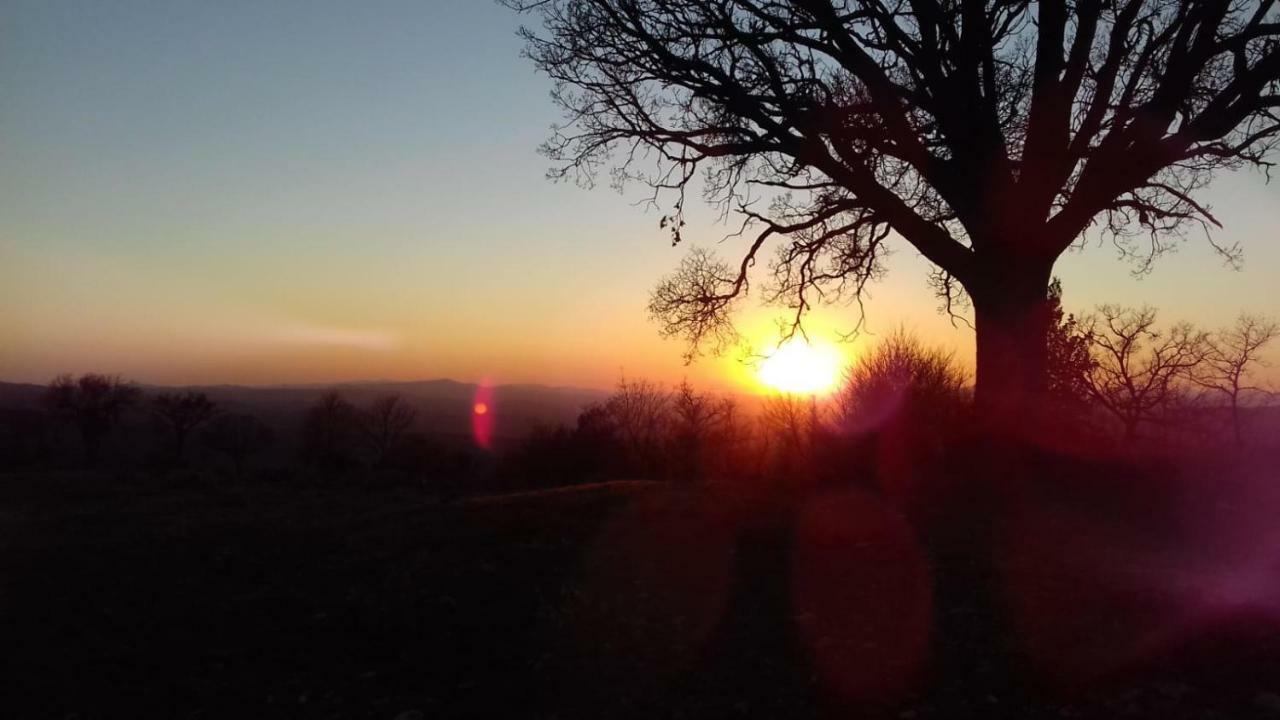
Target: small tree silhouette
[[327, 430], [1139, 370], [238, 437], [698, 419], [640, 411], [183, 412], [598, 443], [1231, 355], [789, 424], [93, 402], [1069, 361], [383, 426]]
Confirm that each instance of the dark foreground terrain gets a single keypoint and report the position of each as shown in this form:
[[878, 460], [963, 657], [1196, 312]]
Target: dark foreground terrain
[[188, 597]]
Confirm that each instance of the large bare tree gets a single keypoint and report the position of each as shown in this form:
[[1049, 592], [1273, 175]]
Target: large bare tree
[[989, 135]]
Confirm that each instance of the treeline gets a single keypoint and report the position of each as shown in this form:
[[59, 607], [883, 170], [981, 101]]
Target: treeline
[[647, 431], [1117, 380], [1120, 375], [80, 418], [902, 398]]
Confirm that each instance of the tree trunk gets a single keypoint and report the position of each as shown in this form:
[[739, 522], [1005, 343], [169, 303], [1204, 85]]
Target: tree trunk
[[1235, 420], [1012, 315], [1130, 430]]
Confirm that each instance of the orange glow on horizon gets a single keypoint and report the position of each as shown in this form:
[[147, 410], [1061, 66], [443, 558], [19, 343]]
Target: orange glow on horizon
[[480, 408]]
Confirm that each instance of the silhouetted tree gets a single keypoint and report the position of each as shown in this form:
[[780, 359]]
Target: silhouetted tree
[[239, 437], [384, 424], [698, 419], [788, 424], [900, 378], [900, 404], [639, 410], [93, 403], [728, 456], [1231, 355], [182, 412], [988, 135], [1138, 369], [328, 430], [1069, 361], [549, 456], [597, 442]]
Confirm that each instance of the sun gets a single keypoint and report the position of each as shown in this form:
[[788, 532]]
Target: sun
[[802, 368]]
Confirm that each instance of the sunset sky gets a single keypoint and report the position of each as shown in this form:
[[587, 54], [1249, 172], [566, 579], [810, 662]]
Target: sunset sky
[[195, 192]]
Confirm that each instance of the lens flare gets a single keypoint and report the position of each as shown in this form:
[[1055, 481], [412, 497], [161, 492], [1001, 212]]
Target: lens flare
[[801, 367], [482, 416]]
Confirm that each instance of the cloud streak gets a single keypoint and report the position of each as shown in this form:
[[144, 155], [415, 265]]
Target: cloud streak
[[336, 337]]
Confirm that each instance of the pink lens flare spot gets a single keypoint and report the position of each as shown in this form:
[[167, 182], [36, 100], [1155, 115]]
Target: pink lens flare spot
[[482, 412]]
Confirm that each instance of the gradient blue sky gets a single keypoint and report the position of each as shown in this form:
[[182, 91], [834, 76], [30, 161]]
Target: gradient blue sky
[[317, 191]]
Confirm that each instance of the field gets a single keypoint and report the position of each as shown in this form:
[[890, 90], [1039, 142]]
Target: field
[[185, 597]]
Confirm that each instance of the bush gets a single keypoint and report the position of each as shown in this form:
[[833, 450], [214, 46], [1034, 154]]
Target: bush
[[896, 415]]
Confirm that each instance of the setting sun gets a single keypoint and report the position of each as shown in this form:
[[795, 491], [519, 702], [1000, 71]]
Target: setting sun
[[801, 367]]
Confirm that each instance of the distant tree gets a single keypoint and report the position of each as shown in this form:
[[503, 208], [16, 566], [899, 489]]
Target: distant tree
[[597, 426], [597, 444], [788, 423], [239, 437], [698, 420], [547, 457], [1139, 371], [383, 426], [729, 452], [182, 412], [328, 430], [640, 411], [1069, 361], [987, 135], [1232, 353], [93, 402]]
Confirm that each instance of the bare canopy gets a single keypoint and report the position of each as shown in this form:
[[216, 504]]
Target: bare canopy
[[987, 134]]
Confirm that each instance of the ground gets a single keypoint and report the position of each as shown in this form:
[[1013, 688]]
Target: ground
[[125, 596]]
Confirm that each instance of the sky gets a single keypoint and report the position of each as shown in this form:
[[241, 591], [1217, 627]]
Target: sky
[[301, 192]]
